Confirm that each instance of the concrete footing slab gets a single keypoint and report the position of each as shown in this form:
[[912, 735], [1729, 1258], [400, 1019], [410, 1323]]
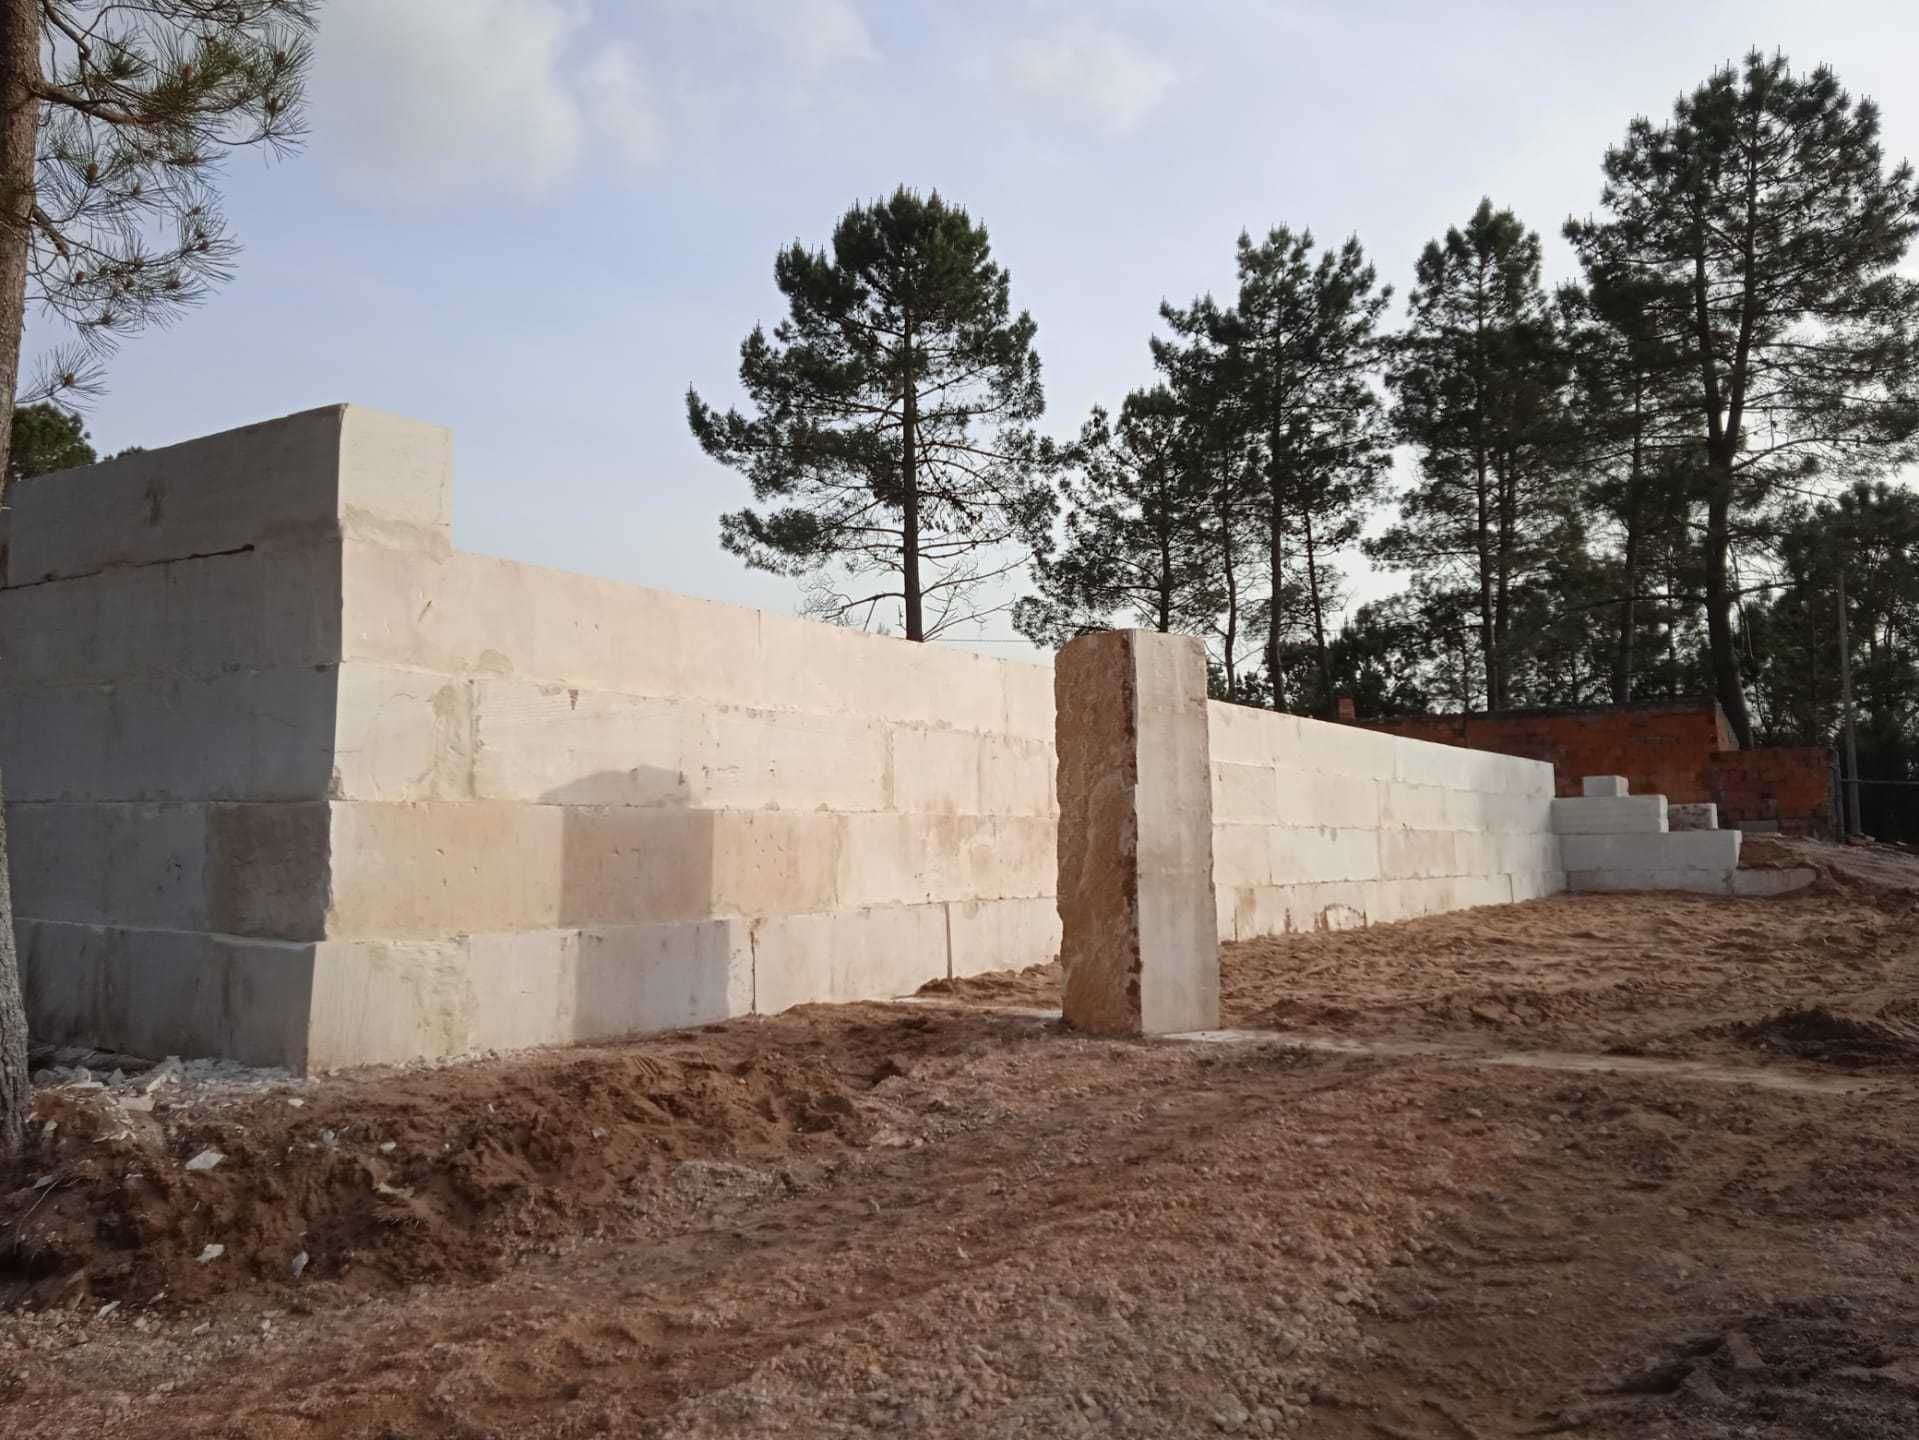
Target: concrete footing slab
[[1681, 850], [1760, 884]]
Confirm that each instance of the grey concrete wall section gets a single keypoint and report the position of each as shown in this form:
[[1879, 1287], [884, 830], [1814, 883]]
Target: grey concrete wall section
[[1138, 947], [283, 484], [159, 992], [293, 779], [1320, 826]]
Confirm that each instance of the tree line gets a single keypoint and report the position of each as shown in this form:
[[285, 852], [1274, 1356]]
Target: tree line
[[1639, 483]]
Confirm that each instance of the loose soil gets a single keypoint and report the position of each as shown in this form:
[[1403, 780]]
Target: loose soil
[[952, 1219]]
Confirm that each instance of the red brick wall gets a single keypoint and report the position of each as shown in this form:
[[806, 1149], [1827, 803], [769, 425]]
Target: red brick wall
[[1792, 786], [1662, 749], [1683, 751]]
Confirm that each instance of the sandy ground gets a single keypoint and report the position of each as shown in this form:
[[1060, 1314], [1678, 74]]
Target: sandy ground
[[1688, 1212]]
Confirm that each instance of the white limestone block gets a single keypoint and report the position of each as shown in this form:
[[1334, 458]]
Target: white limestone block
[[1016, 776], [396, 480], [404, 735], [749, 759], [558, 744], [1625, 815], [1242, 855], [1029, 702], [1607, 787], [1343, 750], [383, 1000], [934, 771], [1419, 807], [1307, 798], [1308, 857], [1290, 909], [846, 955], [1409, 899], [546, 987], [1243, 735], [986, 935], [1417, 854], [1525, 852], [1245, 794], [1537, 884]]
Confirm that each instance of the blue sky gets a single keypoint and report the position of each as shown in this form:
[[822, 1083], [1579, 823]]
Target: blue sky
[[537, 221]]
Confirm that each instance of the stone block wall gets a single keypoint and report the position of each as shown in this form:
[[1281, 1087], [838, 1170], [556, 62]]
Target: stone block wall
[[291, 779], [1323, 826]]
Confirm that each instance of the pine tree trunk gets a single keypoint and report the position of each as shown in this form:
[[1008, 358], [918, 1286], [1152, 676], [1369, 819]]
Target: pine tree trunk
[[1277, 557], [1487, 645], [910, 500], [1320, 653], [1727, 681], [1622, 652], [1165, 599], [1232, 595], [15, 1088], [1499, 698], [19, 134]]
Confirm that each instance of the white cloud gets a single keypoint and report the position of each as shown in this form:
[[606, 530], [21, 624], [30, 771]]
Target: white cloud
[[616, 105], [815, 33], [1097, 72], [433, 97]]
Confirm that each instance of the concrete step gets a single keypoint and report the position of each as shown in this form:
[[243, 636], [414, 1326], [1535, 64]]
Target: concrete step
[[1614, 815]]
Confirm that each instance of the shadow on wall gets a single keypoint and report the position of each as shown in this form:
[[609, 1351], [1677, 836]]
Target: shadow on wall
[[636, 903]]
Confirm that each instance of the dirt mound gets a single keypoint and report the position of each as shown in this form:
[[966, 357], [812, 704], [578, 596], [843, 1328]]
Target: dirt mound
[[1819, 1034], [1822, 1366], [1883, 875], [1036, 985], [392, 1177]]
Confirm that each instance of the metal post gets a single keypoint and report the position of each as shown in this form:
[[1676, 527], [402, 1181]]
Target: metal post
[[1850, 820]]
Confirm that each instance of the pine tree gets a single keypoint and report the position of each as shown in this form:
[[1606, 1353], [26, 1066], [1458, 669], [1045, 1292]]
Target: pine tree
[[1135, 531], [1224, 468], [1765, 226], [1638, 452], [893, 435], [1478, 382], [1294, 354], [114, 118], [45, 438]]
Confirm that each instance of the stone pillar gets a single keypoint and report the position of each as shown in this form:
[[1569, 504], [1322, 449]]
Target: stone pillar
[[1140, 939]]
